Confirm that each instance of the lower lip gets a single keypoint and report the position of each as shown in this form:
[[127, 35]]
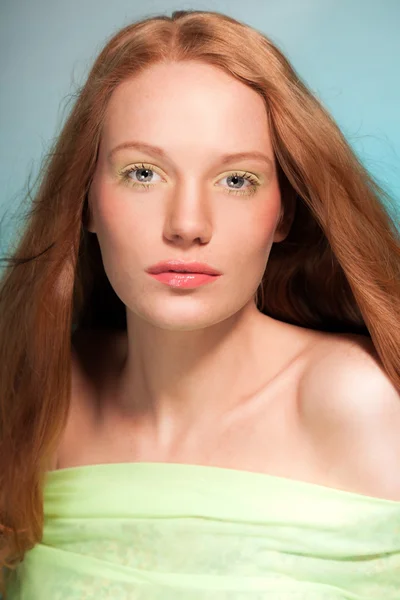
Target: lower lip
[[184, 280]]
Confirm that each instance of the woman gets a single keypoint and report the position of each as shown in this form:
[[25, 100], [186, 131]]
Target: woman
[[191, 439]]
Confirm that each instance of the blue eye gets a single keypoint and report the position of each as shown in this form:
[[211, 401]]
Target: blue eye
[[138, 169], [144, 171], [246, 177]]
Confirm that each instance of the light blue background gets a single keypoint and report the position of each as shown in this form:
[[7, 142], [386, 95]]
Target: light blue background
[[346, 50]]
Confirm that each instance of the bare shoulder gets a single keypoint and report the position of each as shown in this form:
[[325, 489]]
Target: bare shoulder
[[351, 409]]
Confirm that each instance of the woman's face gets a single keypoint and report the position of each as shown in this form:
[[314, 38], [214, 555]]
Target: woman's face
[[192, 207]]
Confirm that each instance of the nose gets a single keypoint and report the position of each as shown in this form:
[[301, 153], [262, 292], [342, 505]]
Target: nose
[[188, 217]]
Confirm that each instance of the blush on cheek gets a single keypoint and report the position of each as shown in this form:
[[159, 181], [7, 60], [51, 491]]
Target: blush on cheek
[[111, 207], [271, 211], [266, 221]]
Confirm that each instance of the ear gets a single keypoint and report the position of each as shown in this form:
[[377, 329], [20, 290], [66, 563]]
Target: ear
[[286, 218]]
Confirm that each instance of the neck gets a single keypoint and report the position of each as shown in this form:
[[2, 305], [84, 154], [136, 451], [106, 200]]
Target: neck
[[173, 381]]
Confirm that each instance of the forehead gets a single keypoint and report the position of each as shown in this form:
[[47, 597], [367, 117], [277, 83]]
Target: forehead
[[181, 105]]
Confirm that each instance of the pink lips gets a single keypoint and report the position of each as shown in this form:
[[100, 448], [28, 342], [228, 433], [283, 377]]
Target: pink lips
[[184, 280], [180, 266]]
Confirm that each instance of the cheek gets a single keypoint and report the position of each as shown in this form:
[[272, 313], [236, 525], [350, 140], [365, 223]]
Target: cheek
[[245, 254], [120, 232], [261, 226], [116, 219], [260, 237]]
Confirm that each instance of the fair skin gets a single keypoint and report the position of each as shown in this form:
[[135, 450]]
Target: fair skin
[[201, 376], [185, 348]]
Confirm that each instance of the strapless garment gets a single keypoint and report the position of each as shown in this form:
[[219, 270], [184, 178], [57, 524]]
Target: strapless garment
[[168, 531]]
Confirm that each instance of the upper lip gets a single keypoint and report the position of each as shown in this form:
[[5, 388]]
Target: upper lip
[[181, 265]]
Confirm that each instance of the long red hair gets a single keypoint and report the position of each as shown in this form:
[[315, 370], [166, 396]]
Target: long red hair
[[338, 269]]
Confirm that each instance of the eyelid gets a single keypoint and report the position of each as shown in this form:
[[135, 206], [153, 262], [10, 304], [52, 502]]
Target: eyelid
[[139, 165], [143, 165]]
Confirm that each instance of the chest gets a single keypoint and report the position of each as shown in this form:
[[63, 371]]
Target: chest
[[265, 435]]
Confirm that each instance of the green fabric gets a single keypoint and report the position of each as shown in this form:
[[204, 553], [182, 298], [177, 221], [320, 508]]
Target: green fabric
[[165, 531]]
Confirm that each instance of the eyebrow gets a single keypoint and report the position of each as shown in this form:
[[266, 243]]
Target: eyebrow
[[157, 151]]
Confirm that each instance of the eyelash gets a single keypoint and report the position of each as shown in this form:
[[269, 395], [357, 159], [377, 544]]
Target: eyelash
[[126, 179]]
